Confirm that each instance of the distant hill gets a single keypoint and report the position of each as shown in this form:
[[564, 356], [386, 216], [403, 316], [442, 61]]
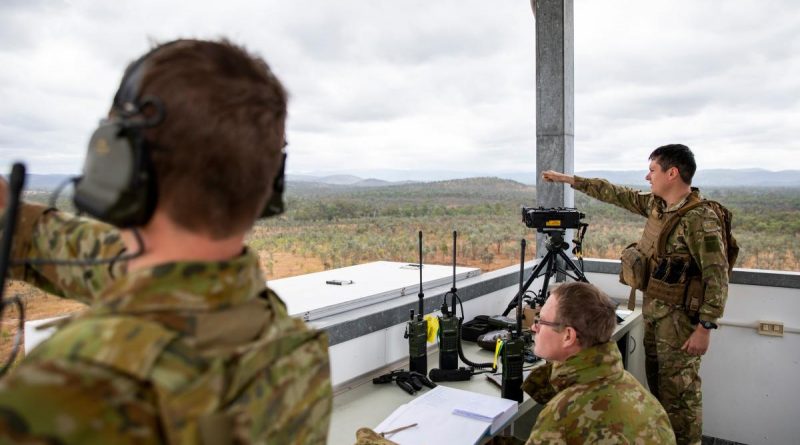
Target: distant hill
[[752, 177], [704, 178], [455, 190], [343, 180]]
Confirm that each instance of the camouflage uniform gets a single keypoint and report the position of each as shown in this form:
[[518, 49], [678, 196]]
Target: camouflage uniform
[[179, 353], [672, 374], [596, 401]]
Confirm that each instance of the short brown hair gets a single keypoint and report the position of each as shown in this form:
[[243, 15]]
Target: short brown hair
[[219, 147], [678, 156], [588, 310]]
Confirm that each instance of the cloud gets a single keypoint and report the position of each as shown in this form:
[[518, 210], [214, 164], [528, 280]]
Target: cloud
[[719, 79], [448, 84]]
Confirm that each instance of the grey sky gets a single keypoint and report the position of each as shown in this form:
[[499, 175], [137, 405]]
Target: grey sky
[[444, 85]]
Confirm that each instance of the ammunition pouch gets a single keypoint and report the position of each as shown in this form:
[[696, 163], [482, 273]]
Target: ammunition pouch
[[633, 271], [674, 281]]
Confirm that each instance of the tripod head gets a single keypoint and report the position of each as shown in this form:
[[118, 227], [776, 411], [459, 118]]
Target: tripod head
[[555, 240]]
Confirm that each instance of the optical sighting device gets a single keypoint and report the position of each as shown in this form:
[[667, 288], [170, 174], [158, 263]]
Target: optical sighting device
[[558, 218], [417, 330]]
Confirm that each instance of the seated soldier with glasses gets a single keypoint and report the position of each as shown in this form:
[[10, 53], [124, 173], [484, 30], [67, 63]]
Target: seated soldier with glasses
[[589, 396]]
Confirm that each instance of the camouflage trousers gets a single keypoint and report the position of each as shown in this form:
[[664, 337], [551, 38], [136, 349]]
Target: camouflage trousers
[[673, 375]]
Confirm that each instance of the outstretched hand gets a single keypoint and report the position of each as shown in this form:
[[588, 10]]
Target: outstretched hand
[[554, 176]]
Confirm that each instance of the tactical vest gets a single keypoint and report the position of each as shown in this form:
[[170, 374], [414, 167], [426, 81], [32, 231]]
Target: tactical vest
[[215, 407], [642, 262]]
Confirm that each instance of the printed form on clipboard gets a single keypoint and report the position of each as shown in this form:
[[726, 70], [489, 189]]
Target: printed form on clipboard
[[447, 415]]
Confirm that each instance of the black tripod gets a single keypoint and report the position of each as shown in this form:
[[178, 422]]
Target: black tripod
[[555, 249]]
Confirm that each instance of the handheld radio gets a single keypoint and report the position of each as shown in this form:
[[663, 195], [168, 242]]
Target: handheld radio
[[417, 330], [513, 354], [448, 324]]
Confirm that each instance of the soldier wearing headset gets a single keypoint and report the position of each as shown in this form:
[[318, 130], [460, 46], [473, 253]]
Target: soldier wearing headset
[[182, 342]]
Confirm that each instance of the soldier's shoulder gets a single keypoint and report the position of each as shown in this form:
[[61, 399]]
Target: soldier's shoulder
[[703, 210], [702, 218], [126, 344]]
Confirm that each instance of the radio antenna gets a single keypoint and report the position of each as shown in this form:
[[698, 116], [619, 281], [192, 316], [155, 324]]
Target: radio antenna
[[453, 290], [421, 294], [417, 329], [518, 332]]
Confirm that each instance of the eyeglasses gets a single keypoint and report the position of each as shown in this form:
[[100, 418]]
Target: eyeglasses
[[552, 324]]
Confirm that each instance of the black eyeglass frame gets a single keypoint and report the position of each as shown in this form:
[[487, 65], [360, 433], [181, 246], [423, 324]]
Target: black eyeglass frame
[[538, 321]]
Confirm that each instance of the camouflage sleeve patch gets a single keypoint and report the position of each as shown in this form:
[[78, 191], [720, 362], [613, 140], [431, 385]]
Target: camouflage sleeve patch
[[711, 244]]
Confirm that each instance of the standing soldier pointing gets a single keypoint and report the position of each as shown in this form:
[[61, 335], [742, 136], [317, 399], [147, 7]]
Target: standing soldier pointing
[[681, 263]]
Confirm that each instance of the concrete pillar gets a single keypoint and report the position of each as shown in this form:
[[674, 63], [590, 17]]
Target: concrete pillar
[[555, 101]]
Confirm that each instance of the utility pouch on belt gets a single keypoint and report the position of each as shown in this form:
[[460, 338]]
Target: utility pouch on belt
[[694, 294], [633, 272], [669, 281]]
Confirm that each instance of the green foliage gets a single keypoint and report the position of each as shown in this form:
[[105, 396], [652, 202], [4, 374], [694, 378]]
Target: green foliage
[[344, 225], [347, 225]]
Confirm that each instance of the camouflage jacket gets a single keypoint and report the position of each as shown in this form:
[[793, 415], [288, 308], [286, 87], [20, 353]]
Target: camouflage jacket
[[596, 401], [698, 234], [180, 353]]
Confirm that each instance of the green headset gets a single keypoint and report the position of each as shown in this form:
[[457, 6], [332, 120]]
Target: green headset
[[118, 184]]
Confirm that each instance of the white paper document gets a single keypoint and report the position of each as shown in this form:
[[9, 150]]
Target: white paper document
[[447, 415]]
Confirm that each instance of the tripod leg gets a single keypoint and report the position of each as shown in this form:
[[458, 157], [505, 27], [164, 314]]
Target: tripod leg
[[570, 265], [546, 261], [551, 269]]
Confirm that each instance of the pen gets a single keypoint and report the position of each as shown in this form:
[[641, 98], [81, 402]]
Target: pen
[[340, 282], [397, 430]]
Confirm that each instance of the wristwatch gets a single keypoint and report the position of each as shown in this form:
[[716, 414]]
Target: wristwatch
[[708, 325]]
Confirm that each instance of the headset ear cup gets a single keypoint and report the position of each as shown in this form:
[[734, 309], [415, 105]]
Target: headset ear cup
[[117, 185], [275, 205]]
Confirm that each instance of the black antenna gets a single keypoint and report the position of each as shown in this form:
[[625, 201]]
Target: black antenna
[[521, 291], [453, 290], [421, 294], [417, 329]]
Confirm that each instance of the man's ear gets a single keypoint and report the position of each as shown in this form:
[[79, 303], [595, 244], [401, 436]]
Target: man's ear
[[570, 337]]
